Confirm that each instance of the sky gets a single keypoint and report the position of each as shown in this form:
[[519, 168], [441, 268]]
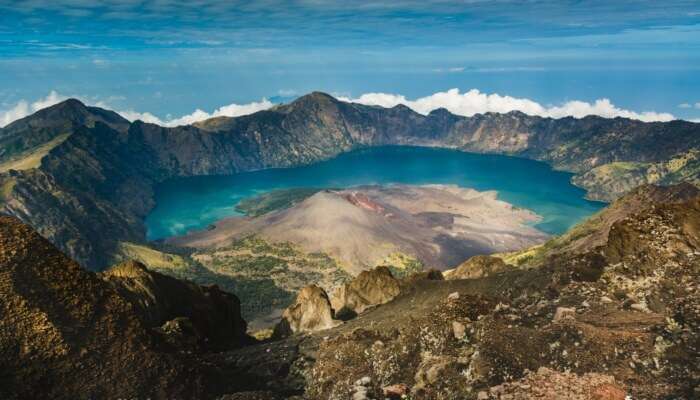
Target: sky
[[179, 61]]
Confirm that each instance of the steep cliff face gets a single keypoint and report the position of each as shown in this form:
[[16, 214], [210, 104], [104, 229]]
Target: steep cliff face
[[50, 122], [610, 181], [94, 185], [97, 182], [214, 315]]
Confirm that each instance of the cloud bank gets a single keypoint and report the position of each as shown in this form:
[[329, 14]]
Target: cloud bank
[[466, 104], [688, 105], [24, 108], [231, 110], [475, 102]]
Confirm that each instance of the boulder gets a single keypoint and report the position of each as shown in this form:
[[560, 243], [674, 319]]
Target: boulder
[[397, 391], [214, 315], [369, 288], [310, 312], [563, 313], [478, 267], [429, 275]]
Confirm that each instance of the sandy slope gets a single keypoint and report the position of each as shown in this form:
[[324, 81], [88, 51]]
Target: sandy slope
[[438, 224]]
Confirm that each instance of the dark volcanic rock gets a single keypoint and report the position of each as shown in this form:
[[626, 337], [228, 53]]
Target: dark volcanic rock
[[618, 317], [46, 124], [215, 316], [630, 327], [67, 334]]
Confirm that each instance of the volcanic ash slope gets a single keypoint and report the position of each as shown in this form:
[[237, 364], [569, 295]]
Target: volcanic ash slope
[[439, 225]]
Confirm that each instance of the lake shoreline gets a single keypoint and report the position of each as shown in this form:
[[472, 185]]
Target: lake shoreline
[[522, 182]]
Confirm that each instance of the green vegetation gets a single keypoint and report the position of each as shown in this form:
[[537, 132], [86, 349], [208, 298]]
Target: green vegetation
[[274, 200], [6, 186], [402, 265], [31, 158], [268, 275], [152, 258], [536, 255], [265, 276], [609, 181]]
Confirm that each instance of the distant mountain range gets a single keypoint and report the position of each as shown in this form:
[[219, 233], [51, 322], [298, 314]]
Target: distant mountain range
[[84, 176]]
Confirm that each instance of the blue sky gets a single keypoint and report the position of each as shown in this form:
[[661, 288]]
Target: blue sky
[[170, 57]]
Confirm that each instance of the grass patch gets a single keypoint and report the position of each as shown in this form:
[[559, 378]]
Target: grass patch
[[274, 200], [32, 159], [6, 187], [152, 258], [401, 264], [268, 275], [265, 276]]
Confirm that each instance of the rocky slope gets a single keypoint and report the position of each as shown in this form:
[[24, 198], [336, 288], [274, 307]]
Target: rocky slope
[[610, 181], [67, 333], [617, 314], [594, 231], [97, 183], [266, 276], [618, 319]]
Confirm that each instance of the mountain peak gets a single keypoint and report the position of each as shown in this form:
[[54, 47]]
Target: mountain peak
[[442, 111], [69, 108], [72, 103], [313, 100], [68, 112], [315, 97]]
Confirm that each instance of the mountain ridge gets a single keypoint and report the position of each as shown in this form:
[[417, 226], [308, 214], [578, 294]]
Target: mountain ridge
[[101, 178]]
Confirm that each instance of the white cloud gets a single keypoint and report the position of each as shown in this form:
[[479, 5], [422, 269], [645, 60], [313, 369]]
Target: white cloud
[[231, 110], [449, 70], [467, 104], [287, 92], [474, 102], [23, 108], [688, 105]]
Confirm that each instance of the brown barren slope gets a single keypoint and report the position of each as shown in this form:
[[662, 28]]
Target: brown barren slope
[[67, 334]]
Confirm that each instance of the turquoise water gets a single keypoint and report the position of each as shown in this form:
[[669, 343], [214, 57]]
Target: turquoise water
[[184, 204]]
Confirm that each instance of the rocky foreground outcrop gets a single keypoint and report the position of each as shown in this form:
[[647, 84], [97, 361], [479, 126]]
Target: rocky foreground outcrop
[[629, 329], [369, 288], [478, 267], [310, 312], [313, 310], [214, 315], [67, 333], [617, 317]]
